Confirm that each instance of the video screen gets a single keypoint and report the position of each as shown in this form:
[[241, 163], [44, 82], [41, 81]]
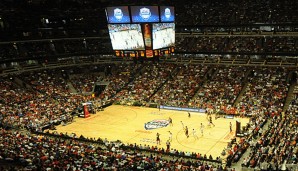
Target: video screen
[[163, 35], [118, 14], [141, 14], [126, 36], [167, 14]]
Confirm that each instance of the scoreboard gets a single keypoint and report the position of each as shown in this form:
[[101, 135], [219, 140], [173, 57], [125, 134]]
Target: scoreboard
[[141, 31]]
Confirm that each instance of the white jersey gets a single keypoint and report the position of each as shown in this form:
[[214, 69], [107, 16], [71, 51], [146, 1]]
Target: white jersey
[[202, 128]]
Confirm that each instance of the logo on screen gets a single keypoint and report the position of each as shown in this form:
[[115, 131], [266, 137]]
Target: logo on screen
[[167, 13], [145, 13], [118, 14]]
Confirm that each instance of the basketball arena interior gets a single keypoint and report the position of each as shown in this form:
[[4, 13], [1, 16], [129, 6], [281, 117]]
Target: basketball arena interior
[[197, 85]]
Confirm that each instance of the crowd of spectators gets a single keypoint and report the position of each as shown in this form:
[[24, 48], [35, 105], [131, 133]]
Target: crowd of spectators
[[248, 133], [266, 92], [119, 77], [51, 19], [48, 82], [272, 148], [255, 44], [221, 90], [70, 152], [43, 49], [151, 77], [45, 103], [23, 108], [46, 48], [276, 148], [79, 46], [85, 82], [177, 91], [113, 76], [13, 99], [235, 12]]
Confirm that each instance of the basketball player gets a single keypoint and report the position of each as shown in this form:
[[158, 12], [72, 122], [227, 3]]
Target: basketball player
[[231, 127], [186, 131], [157, 138], [170, 136], [170, 121], [210, 121], [168, 145], [188, 114], [194, 133], [208, 113], [202, 129], [182, 124]]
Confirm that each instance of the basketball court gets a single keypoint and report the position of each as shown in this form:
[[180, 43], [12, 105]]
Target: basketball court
[[127, 124]]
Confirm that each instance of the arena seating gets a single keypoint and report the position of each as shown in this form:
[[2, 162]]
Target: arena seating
[[144, 85], [221, 91], [262, 101], [260, 79], [255, 44], [177, 92], [235, 12], [64, 152]]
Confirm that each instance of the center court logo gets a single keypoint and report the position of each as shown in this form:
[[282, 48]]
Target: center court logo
[[158, 123]]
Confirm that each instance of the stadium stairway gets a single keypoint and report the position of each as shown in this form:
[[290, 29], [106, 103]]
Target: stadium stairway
[[20, 83], [207, 77], [241, 93], [245, 84], [162, 84], [71, 88], [238, 165], [290, 96]]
